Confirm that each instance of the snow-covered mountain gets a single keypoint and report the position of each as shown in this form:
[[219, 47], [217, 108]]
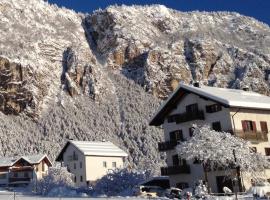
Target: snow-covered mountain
[[101, 76]]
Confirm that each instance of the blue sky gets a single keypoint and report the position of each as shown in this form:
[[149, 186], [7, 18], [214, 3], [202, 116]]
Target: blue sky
[[259, 9]]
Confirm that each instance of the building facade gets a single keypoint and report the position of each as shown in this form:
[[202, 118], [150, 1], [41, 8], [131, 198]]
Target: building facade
[[22, 170], [89, 161], [244, 114]]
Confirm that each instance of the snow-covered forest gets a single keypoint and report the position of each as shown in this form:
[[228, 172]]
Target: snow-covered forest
[[67, 75]]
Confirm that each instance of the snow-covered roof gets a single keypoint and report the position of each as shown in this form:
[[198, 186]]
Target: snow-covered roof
[[227, 97], [6, 162], [31, 159], [93, 148], [34, 159]]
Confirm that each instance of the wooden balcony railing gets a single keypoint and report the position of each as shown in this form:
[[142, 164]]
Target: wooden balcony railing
[[19, 179], [252, 136], [180, 169], [190, 116], [165, 146]]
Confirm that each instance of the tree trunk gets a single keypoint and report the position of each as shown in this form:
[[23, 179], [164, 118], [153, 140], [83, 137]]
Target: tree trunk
[[206, 177]]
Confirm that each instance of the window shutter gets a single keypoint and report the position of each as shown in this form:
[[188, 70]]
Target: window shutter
[[207, 109], [254, 126], [264, 127], [244, 125]]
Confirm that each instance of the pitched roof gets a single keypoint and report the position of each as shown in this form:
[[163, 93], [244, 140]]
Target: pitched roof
[[31, 159], [90, 148], [227, 97], [7, 161], [34, 159]]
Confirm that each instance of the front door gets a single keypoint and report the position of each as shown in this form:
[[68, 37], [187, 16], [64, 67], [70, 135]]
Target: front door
[[223, 181]]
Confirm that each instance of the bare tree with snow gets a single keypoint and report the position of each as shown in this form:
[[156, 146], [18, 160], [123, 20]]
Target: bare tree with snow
[[222, 150], [58, 177]]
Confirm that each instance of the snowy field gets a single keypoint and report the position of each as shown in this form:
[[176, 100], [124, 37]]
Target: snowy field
[[10, 196]]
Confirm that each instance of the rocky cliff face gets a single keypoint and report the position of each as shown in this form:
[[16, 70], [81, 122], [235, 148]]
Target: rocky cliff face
[[158, 47], [102, 76]]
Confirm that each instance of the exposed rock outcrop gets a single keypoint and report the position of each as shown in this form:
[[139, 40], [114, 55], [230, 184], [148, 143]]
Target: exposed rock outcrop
[[175, 46], [14, 96]]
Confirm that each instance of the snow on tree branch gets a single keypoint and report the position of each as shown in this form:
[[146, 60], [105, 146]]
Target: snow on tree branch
[[216, 149], [58, 177], [120, 182]]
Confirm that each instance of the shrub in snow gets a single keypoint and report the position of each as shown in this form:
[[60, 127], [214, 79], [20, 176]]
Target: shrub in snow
[[215, 149], [119, 182], [56, 183]]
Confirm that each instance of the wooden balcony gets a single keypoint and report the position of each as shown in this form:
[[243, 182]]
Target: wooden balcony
[[171, 170], [165, 146], [252, 136], [190, 116], [19, 180]]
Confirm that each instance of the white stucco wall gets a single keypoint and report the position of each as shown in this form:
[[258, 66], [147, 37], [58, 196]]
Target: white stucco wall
[[92, 166], [225, 118], [78, 172], [95, 169]]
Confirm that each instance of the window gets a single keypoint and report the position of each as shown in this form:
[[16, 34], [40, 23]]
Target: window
[[191, 131], [105, 164], [176, 135], [3, 176], [253, 149], [172, 118], [178, 161], [192, 108], [75, 166], [25, 175], [216, 126], [267, 151], [264, 127], [213, 108], [175, 160], [81, 178], [114, 164], [80, 164], [248, 126], [15, 174], [75, 179], [74, 155]]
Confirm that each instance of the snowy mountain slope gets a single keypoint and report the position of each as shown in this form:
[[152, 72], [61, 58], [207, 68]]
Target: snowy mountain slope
[[67, 75]]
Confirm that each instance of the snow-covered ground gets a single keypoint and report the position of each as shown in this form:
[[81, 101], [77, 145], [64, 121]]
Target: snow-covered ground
[[10, 196]]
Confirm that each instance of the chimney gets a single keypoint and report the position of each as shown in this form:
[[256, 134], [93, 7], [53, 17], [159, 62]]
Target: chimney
[[196, 84]]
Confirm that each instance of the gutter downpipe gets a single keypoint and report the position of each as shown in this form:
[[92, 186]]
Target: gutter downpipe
[[233, 119], [239, 177]]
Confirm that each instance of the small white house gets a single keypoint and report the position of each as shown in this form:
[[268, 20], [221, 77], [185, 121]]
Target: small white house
[[89, 161]]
